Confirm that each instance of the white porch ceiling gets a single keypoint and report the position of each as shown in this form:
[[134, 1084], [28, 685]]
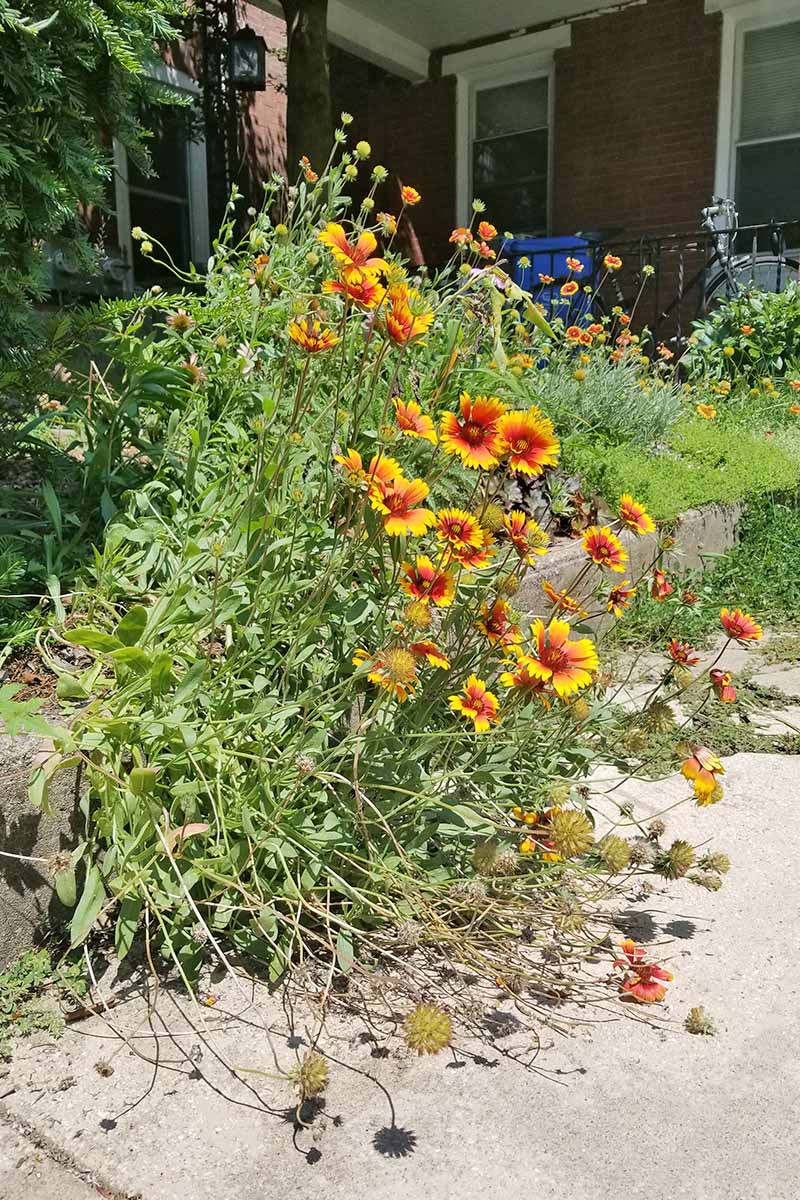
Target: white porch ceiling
[[436, 23]]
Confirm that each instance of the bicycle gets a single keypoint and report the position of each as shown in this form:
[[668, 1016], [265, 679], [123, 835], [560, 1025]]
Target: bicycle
[[767, 272]]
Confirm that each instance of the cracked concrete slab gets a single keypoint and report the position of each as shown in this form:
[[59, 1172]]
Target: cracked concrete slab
[[623, 1106]]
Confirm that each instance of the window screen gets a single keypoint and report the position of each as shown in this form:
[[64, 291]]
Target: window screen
[[510, 154], [768, 145]]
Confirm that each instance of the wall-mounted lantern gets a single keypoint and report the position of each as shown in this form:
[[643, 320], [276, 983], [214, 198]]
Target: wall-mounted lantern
[[247, 63]]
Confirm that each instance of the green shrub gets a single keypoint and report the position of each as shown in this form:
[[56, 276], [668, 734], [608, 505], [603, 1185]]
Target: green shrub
[[72, 74], [751, 336]]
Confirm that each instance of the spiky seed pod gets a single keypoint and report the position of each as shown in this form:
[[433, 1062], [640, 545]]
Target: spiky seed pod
[[656, 829], [579, 710], [698, 1021], [659, 717], [305, 764], [409, 933], [717, 793], [508, 585], [715, 860], [643, 852], [707, 880], [675, 862], [571, 832], [558, 792], [418, 614], [311, 1075], [428, 1029], [469, 892], [682, 676], [635, 740], [571, 920], [484, 857], [199, 934], [491, 518], [615, 853], [507, 862]]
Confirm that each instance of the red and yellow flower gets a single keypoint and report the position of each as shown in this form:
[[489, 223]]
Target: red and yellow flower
[[477, 704], [740, 625], [529, 441], [661, 586], [569, 288], [562, 600], [473, 558], [486, 231], [484, 250], [604, 548], [412, 422], [427, 582], [431, 652], [382, 471], [474, 433], [612, 262], [595, 329], [568, 666], [399, 502], [496, 625], [682, 653], [360, 254], [358, 284], [644, 981], [573, 333], [309, 174], [702, 768], [525, 675], [394, 669], [405, 319], [387, 222], [526, 535], [461, 237], [619, 598], [310, 335], [546, 278], [458, 528], [634, 515], [722, 682], [575, 264], [707, 411], [410, 196]]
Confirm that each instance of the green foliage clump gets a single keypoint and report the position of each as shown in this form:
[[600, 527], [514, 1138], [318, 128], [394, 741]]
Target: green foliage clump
[[72, 75], [704, 463], [24, 1008], [748, 337]]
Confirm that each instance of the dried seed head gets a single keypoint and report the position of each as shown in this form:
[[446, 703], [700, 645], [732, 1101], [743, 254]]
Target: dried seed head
[[400, 664], [62, 861], [571, 919], [698, 1021], [558, 792], [507, 862], [409, 934], [305, 764], [428, 1029], [199, 934], [469, 892], [579, 710], [675, 862], [656, 829], [707, 880], [311, 1075], [571, 832], [642, 852], [615, 853], [682, 676], [491, 518], [635, 740], [715, 861]]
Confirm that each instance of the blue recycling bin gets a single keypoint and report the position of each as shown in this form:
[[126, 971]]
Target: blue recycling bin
[[548, 256]]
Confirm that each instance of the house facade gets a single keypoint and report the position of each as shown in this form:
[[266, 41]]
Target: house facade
[[561, 115]]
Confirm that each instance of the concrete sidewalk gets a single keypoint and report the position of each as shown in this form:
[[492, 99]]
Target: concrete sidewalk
[[623, 1107]]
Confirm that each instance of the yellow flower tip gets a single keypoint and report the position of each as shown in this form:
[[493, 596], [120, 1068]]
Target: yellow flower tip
[[363, 149]]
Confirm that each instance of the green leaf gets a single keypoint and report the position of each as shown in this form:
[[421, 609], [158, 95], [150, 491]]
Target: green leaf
[[142, 780], [132, 626], [21, 716], [161, 677], [344, 951], [134, 658], [127, 922], [91, 902], [69, 687], [92, 639], [66, 888]]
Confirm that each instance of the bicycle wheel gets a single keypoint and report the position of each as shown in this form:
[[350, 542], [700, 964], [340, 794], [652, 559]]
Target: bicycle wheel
[[767, 274]]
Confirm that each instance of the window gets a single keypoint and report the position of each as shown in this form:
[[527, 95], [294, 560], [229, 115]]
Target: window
[[510, 137], [171, 204], [767, 149]]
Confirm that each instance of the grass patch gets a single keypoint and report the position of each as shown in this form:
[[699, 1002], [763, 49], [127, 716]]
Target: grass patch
[[761, 575], [29, 988], [703, 463]]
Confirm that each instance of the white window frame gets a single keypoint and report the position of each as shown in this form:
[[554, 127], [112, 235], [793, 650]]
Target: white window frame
[[738, 18], [197, 171], [511, 61]]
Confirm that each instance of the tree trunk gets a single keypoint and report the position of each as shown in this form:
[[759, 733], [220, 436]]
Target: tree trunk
[[309, 129]]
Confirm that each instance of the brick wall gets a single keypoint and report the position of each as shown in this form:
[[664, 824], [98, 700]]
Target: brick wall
[[263, 114], [636, 115]]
